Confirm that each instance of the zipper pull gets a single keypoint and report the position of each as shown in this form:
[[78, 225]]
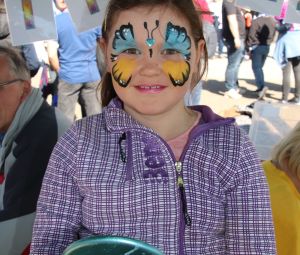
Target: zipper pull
[[178, 166], [122, 152], [180, 183]]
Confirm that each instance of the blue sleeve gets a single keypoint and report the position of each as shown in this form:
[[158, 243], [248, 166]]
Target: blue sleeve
[[30, 57]]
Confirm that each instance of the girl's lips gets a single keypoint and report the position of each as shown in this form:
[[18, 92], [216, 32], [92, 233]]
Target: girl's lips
[[150, 89]]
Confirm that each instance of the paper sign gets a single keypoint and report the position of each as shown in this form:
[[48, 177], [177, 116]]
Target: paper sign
[[87, 14], [293, 12], [270, 123], [30, 21], [270, 7]]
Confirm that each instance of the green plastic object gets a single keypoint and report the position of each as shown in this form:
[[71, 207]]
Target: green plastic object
[[110, 245]]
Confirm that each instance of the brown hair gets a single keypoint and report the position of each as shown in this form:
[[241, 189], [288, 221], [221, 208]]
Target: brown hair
[[184, 7]]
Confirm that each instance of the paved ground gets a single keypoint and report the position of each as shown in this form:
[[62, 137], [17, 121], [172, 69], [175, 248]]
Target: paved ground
[[214, 89]]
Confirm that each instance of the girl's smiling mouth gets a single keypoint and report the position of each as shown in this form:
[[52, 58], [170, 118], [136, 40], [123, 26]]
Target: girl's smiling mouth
[[150, 88]]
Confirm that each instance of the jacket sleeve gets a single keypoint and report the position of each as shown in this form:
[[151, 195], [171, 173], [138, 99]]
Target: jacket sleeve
[[249, 222], [59, 206], [279, 52]]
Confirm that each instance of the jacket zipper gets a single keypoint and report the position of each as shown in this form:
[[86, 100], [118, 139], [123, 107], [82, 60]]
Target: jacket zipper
[[180, 184]]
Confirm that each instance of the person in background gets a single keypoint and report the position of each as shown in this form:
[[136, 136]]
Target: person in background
[[184, 180], [234, 35], [260, 36], [248, 19], [209, 30], [248, 23], [283, 175], [287, 55], [75, 62], [29, 129], [216, 7]]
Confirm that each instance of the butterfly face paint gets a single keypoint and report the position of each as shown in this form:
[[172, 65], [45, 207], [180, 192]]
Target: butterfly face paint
[[177, 41], [124, 42], [150, 41]]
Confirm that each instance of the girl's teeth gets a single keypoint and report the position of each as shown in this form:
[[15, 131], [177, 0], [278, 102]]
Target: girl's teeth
[[150, 87]]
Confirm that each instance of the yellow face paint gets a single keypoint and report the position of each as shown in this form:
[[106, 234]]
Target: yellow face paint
[[178, 71], [122, 70]]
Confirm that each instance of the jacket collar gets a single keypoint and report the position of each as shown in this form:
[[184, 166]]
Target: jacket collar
[[117, 120]]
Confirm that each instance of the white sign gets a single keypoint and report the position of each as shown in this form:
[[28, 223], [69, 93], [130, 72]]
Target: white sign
[[30, 21], [293, 12], [270, 7], [87, 14]]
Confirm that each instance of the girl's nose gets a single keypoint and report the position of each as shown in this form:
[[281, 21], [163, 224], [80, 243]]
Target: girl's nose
[[150, 66]]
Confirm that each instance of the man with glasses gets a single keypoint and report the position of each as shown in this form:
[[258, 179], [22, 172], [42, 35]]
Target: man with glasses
[[29, 129]]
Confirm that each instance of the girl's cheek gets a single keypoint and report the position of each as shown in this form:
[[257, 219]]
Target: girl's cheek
[[177, 71], [122, 70]]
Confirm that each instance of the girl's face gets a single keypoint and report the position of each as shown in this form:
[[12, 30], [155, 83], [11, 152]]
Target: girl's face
[[151, 56]]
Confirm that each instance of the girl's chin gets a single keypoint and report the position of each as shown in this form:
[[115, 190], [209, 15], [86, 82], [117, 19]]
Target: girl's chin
[[145, 109]]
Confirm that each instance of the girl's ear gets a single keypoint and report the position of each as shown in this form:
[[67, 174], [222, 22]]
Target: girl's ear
[[199, 51], [103, 46]]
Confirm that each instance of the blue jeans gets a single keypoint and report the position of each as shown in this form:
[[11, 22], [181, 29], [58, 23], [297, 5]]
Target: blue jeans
[[220, 41], [235, 57], [259, 56]]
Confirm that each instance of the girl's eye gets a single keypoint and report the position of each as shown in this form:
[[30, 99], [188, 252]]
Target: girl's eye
[[169, 52], [132, 51]]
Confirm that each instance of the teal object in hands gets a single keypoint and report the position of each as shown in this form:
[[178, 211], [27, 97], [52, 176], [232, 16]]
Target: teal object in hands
[[110, 245]]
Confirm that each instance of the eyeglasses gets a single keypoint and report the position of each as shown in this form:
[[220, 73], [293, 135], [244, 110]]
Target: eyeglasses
[[6, 83]]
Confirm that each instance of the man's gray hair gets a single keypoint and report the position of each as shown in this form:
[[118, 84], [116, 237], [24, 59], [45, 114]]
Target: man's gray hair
[[17, 65]]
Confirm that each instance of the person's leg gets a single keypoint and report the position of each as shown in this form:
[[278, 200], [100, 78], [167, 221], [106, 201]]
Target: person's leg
[[296, 69], [240, 52], [211, 38], [259, 55], [89, 99], [67, 98], [220, 41], [257, 68], [235, 57], [286, 79], [266, 49]]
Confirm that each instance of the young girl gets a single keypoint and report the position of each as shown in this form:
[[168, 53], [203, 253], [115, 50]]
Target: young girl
[[283, 175], [181, 179]]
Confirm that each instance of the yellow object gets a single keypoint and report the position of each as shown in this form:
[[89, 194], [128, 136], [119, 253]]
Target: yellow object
[[123, 69], [178, 71], [285, 201]]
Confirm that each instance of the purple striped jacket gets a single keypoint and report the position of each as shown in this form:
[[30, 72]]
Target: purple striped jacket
[[109, 175]]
